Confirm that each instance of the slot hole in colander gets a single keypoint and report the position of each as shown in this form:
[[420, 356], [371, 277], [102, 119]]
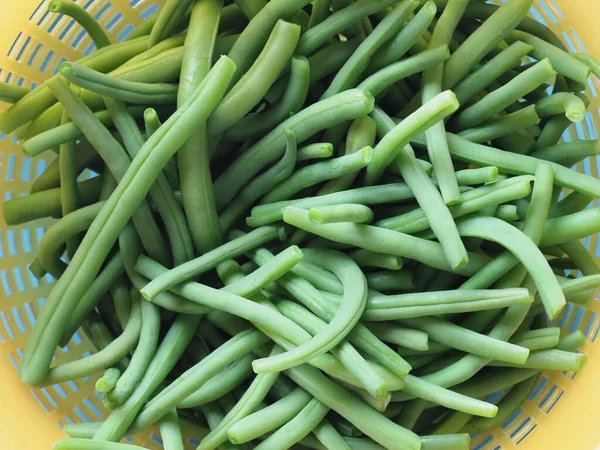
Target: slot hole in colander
[[536, 15], [114, 21], [526, 434], [149, 11], [483, 443], [520, 427], [548, 12], [18, 321], [93, 409], [126, 32], [39, 400], [49, 397]]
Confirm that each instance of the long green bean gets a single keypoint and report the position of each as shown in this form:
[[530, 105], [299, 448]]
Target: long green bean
[[341, 213], [69, 192], [569, 153], [315, 151], [83, 18], [11, 93], [502, 126], [562, 103], [168, 19], [401, 280]]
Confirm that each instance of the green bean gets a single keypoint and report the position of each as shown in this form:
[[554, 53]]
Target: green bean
[[116, 159], [397, 47], [562, 103], [47, 203], [142, 356], [251, 88], [580, 255], [69, 226], [490, 33], [508, 213], [380, 80], [381, 241], [520, 164], [108, 380], [467, 340], [589, 61], [167, 21], [69, 193], [209, 260], [83, 18], [319, 12], [398, 136], [564, 229], [336, 23], [170, 431], [318, 150], [446, 442], [393, 307], [501, 98], [261, 185], [231, 377], [113, 269], [269, 418], [152, 123], [329, 59], [348, 76], [294, 97], [399, 335], [103, 359], [321, 171], [87, 444], [11, 93], [366, 419], [367, 376], [563, 62], [553, 359], [329, 436], [550, 292], [47, 140], [348, 105], [480, 79], [361, 134], [541, 339], [251, 7], [129, 91], [372, 259], [572, 203], [502, 126], [391, 281], [109, 223], [569, 153], [341, 213], [301, 425], [571, 342]]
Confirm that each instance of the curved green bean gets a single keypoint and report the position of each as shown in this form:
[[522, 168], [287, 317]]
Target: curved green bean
[[562, 103], [294, 97], [167, 21], [83, 18], [254, 84], [261, 185]]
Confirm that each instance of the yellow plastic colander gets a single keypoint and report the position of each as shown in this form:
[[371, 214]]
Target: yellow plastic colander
[[561, 413]]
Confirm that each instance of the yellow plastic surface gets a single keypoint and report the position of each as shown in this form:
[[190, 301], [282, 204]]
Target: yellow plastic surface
[[562, 413]]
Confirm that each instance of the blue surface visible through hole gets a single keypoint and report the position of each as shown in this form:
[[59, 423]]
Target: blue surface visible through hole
[[93, 408]]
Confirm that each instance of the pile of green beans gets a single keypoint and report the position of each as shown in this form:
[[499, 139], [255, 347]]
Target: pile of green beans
[[347, 232]]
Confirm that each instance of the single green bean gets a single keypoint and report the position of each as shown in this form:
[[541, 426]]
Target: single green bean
[[254, 84], [318, 150], [508, 213], [372, 259], [329, 436], [446, 442], [563, 62], [261, 185], [170, 431], [69, 193], [11, 93], [401, 280], [502, 126], [294, 97], [341, 213], [318, 172], [108, 380], [103, 359], [83, 18], [336, 23], [268, 419], [490, 71], [499, 99], [300, 426], [399, 335], [569, 153], [553, 359], [230, 378], [580, 255], [541, 339], [167, 21], [562, 103], [87, 444], [565, 229], [320, 11], [151, 124], [397, 47], [349, 75]]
